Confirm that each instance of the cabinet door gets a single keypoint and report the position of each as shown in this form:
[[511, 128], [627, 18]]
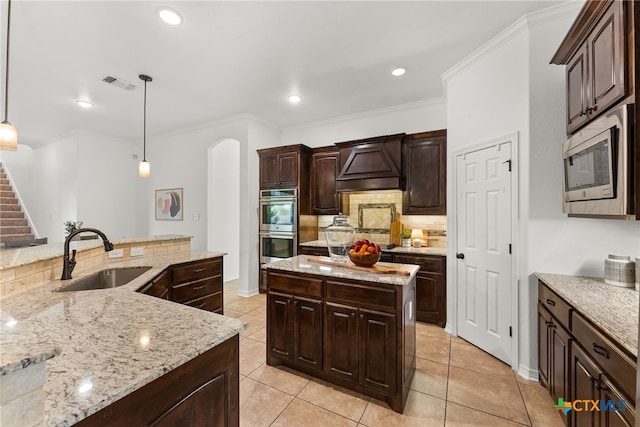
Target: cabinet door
[[577, 90], [430, 298], [377, 339], [616, 415], [307, 332], [280, 326], [425, 166], [325, 168], [287, 169], [584, 386], [606, 59], [559, 341], [268, 170], [341, 341], [544, 352]]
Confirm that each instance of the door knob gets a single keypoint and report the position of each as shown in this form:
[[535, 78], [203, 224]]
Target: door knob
[[460, 255]]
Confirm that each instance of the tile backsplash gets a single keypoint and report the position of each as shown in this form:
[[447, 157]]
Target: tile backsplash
[[370, 215]]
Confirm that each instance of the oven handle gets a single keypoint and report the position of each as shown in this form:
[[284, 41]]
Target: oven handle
[[290, 236]]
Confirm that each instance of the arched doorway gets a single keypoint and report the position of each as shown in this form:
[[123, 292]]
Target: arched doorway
[[223, 204]]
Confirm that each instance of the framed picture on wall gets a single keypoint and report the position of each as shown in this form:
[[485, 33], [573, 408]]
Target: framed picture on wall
[[169, 204]]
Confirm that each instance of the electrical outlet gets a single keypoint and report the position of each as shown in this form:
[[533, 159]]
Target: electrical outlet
[[137, 251], [116, 253]]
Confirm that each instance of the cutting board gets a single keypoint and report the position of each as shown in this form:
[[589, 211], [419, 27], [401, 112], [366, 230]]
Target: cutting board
[[377, 269], [394, 230]]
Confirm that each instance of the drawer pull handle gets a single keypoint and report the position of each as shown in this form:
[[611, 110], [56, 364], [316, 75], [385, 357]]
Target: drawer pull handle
[[199, 270], [601, 351], [201, 305], [197, 288], [551, 302], [549, 324]]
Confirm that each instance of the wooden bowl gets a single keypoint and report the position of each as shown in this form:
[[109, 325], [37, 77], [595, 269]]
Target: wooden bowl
[[364, 260]]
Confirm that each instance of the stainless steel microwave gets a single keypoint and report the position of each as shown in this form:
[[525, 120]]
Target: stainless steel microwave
[[596, 167]]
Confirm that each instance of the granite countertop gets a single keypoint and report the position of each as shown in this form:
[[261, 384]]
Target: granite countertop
[[301, 264], [21, 256], [397, 250], [104, 344], [613, 309]]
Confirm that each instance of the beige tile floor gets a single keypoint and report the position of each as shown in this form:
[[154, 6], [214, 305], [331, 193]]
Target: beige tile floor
[[455, 384]]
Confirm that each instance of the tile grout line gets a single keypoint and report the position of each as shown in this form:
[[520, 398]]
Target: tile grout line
[[446, 393], [523, 401]]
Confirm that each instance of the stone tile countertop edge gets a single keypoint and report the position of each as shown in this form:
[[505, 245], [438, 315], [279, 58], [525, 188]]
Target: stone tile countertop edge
[[301, 264], [109, 342], [613, 309], [396, 250]]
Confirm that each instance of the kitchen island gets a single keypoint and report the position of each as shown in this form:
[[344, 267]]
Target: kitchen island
[[105, 349], [352, 328]]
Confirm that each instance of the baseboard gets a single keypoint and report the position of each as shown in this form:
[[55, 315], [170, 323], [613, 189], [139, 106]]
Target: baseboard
[[528, 374], [247, 294], [448, 328]]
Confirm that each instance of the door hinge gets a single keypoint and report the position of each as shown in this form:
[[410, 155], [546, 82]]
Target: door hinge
[[509, 248], [510, 331], [508, 161]]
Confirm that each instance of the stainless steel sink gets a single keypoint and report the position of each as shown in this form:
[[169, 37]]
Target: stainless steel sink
[[109, 278]]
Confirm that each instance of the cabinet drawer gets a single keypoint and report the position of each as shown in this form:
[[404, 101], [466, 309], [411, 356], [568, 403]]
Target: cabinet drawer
[[196, 270], [208, 303], [556, 305], [191, 290], [297, 285], [617, 365], [361, 295], [432, 264]]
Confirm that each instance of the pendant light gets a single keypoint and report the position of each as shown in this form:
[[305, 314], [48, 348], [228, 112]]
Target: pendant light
[[144, 168], [8, 132]]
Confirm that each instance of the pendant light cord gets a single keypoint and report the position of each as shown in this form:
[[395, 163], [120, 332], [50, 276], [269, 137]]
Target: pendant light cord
[[6, 74], [144, 124]]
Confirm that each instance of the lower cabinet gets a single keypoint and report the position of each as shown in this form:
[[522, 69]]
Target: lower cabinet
[[203, 392], [158, 287], [355, 334], [313, 250]]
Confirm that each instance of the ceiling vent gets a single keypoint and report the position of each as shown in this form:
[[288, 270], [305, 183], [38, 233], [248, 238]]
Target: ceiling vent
[[118, 82]]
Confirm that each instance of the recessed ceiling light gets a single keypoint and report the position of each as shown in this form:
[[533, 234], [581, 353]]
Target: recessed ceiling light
[[294, 99], [84, 104], [170, 16], [398, 71]]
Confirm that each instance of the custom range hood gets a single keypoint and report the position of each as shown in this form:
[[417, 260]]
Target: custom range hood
[[371, 164]]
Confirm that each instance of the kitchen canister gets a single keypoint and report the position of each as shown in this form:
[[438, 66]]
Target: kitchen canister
[[340, 236], [620, 271]]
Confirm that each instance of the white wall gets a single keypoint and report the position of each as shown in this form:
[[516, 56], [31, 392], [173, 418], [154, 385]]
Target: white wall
[[410, 118], [223, 217]]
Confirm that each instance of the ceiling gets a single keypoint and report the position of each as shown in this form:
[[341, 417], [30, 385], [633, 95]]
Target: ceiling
[[231, 58]]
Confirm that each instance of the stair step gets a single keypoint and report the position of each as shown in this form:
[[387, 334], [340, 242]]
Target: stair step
[[5, 187], [5, 237], [7, 193], [10, 208], [8, 200], [15, 230], [13, 222], [12, 214], [4, 181]]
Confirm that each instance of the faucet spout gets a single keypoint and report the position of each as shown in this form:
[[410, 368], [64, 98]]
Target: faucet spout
[[68, 264]]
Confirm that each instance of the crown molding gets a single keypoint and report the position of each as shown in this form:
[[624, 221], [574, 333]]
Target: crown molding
[[364, 114], [526, 22]]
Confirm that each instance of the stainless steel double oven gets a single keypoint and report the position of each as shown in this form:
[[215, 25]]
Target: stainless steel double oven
[[278, 213]]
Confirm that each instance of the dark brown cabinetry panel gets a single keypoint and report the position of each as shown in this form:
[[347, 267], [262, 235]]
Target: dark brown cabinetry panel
[[280, 330], [341, 342], [198, 284], [203, 392], [158, 287], [553, 355], [577, 90], [285, 167], [377, 336], [307, 332], [425, 167], [316, 251], [325, 167]]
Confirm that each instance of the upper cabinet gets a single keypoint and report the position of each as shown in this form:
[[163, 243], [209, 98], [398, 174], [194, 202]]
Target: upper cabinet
[[425, 167], [284, 167], [325, 167], [595, 53]]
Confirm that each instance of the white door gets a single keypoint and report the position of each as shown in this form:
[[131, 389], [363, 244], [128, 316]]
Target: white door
[[483, 221]]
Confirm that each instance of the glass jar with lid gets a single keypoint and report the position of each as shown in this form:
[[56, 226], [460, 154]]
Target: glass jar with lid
[[340, 236]]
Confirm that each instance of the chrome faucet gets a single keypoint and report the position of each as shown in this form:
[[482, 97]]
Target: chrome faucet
[[69, 264]]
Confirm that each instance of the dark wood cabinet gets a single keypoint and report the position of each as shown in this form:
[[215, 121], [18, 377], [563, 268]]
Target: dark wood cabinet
[[431, 286], [313, 250], [351, 333], [203, 392], [595, 53], [158, 287], [198, 284], [425, 167], [285, 167], [578, 363], [325, 167]]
